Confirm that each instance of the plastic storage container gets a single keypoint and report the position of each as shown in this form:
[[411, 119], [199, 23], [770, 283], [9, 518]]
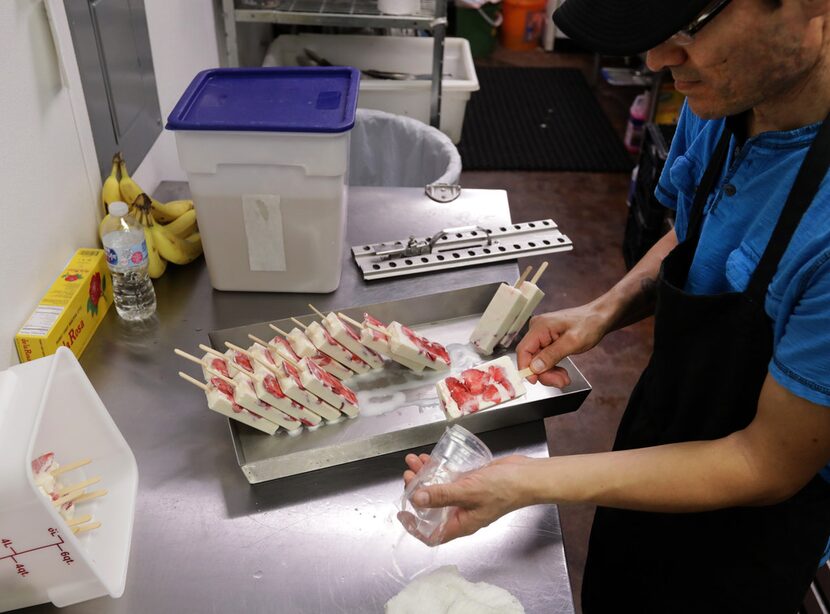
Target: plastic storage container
[[49, 405], [405, 54], [266, 152]]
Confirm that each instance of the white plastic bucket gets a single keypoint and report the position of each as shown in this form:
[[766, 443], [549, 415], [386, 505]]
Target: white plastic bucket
[[49, 405]]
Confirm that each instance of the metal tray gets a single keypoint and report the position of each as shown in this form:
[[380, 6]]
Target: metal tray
[[399, 408]]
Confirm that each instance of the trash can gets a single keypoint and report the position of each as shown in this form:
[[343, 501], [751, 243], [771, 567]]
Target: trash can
[[479, 23], [398, 151]]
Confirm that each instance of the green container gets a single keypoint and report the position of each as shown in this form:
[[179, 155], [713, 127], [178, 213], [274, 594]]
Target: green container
[[479, 27]]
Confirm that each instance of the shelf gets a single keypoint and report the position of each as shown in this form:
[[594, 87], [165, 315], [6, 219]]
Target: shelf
[[343, 13]]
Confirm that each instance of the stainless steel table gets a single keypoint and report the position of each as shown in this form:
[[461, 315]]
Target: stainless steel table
[[207, 541]]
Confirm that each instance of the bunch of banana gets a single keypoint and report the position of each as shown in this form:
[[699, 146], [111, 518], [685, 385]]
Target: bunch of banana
[[169, 228]]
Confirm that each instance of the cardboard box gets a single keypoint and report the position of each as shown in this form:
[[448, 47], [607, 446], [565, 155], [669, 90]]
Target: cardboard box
[[71, 310]]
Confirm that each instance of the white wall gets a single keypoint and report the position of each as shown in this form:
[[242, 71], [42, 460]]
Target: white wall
[[48, 202]]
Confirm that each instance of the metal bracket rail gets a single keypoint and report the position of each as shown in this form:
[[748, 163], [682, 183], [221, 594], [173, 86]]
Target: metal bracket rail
[[458, 247]]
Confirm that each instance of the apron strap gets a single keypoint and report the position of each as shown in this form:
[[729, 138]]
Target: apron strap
[[705, 187], [806, 186]]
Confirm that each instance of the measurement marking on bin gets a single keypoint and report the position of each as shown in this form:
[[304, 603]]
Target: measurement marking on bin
[[20, 567]]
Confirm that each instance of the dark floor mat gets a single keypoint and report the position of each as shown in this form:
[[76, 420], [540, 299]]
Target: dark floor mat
[[540, 119]]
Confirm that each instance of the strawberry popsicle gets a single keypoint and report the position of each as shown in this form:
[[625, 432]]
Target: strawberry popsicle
[[220, 399], [269, 390], [220, 365], [324, 342], [372, 338], [245, 395], [406, 343], [504, 308], [292, 385], [328, 388], [304, 348], [348, 338], [481, 387]]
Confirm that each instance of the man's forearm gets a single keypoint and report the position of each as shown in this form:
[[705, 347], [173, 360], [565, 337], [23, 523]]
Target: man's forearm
[[632, 298], [684, 477]]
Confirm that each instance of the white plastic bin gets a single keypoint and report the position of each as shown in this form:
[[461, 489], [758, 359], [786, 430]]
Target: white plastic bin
[[398, 151], [266, 152], [49, 405], [393, 54]]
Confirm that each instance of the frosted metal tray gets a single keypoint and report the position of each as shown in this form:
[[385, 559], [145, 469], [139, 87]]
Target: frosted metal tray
[[399, 409]]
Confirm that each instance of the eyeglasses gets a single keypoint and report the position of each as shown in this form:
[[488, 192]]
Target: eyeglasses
[[686, 36]]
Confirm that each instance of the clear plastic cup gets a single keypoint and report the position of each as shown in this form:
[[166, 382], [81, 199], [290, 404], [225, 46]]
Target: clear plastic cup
[[456, 453]]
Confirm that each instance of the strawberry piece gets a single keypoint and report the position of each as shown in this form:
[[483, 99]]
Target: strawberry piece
[[498, 375], [475, 380], [270, 384], [466, 402], [491, 393], [219, 365], [44, 460], [243, 362], [222, 386], [283, 343]]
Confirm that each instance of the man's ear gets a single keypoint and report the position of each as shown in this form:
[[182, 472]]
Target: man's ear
[[815, 8]]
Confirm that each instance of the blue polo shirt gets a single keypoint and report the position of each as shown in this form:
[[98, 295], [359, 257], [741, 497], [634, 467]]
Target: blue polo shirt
[[740, 215]]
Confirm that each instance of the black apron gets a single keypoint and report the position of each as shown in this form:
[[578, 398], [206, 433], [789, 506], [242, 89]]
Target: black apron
[[711, 355]]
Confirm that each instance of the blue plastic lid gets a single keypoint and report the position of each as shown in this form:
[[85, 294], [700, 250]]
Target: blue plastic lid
[[302, 99]]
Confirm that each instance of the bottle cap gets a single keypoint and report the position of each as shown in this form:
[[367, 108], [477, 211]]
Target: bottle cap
[[118, 209]]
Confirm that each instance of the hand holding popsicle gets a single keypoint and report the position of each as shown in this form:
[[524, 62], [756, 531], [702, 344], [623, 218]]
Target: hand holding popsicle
[[557, 335]]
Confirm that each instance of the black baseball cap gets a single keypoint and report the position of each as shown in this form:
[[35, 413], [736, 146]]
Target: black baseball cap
[[625, 27]]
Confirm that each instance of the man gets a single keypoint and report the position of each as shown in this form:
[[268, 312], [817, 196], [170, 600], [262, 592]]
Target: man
[[716, 496]]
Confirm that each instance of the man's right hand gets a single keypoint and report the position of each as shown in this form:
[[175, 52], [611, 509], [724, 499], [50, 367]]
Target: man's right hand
[[556, 335]]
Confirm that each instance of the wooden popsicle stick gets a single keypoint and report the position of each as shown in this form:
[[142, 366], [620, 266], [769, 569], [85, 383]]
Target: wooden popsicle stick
[[194, 381], [526, 372], [187, 356], [255, 339], [349, 320], [73, 497], [210, 350], [377, 328], [236, 348], [523, 276], [87, 496], [266, 364], [222, 377], [298, 323], [79, 520], [70, 467], [78, 486], [317, 311], [539, 272], [277, 330], [86, 527]]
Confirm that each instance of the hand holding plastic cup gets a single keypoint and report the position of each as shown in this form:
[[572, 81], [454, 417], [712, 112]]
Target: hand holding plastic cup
[[456, 453]]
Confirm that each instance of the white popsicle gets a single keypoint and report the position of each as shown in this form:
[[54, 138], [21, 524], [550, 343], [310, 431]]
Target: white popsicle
[[349, 339], [480, 387], [502, 311], [269, 390], [328, 388], [372, 338], [534, 296], [327, 344], [304, 348], [220, 399], [406, 343], [292, 385]]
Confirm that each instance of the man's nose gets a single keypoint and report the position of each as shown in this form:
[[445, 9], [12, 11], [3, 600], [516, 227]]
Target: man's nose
[[665, 55]]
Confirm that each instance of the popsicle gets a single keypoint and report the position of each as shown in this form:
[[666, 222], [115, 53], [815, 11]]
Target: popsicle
[[292, 384], [289, 381], [534, 296], [406, 343], [373, 335], [480, 387], [349, 339], [220, 399], [324, 342], [328, 388], [304, 348], [246, 396], [504, 307], [268, 389]]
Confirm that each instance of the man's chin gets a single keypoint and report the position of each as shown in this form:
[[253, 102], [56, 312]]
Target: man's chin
[[705, 109]]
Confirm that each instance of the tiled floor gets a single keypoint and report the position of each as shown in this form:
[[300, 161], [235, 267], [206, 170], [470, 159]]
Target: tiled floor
[[590, 208]]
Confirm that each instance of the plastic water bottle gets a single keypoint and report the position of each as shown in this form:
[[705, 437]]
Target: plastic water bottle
[[126, 252], [637, 115]]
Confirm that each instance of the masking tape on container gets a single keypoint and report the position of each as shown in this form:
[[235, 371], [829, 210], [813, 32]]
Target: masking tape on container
[[264, 231]]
